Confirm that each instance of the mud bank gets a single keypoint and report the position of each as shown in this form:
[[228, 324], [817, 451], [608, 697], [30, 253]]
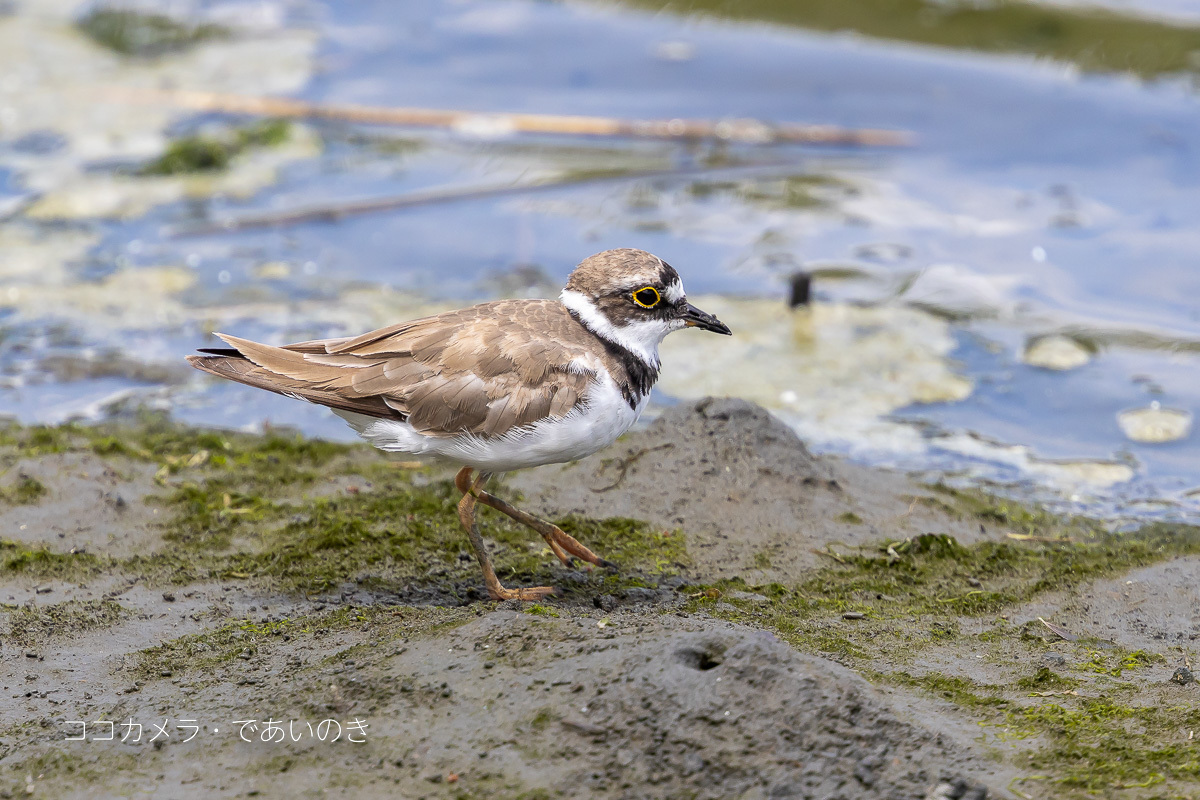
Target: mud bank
[[782, 625]]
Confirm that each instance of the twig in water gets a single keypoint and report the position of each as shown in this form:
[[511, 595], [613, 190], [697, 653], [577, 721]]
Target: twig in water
[[332, 212], [494, 124]]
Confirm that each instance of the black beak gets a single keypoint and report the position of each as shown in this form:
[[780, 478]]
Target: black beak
[[695, 318]]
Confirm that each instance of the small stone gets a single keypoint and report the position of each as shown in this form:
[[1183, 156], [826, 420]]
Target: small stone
[[1155, 424], [1183, 676], [31, 654], [975, 583], [865, 770], [1056, 352], [605, 602], [854, 615], [169, 597], [1054, 660], [640, 594], [44, 589]]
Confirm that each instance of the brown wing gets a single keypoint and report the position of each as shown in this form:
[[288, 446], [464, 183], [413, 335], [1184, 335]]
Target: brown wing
[[484, 370]]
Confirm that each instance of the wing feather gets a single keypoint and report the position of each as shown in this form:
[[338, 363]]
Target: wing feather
[[483, 370]]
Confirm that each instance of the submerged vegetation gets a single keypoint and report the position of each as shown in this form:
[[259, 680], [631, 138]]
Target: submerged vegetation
[[1094, 39], [139, 33], [213, 152]]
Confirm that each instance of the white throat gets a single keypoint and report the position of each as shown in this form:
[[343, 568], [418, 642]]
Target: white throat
[[640, 338]]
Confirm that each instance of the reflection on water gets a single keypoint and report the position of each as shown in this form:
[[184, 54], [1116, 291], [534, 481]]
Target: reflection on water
[[1014, 299], [1089, 37]]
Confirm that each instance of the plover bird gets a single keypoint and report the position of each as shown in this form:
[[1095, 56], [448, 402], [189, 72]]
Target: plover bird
[[495, 387]]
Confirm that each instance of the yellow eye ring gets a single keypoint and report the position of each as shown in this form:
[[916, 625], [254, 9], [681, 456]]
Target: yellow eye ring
[[647, 297]]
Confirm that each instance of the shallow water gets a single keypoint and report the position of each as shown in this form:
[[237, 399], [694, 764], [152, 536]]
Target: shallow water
[[1046, 193]]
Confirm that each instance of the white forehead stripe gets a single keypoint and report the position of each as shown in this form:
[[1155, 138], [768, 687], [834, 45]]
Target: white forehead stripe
[[674, 292], [640, 338]]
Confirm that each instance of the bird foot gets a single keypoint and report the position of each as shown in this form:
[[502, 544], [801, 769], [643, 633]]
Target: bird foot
[[529, 594]]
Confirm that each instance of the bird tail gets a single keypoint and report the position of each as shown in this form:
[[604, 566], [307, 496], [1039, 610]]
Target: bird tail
[[232, 363]]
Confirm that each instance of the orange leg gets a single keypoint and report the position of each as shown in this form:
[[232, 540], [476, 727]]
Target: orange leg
[[466, 513], [556, 537]]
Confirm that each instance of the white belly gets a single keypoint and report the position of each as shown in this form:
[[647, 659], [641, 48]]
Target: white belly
[[580, 433]]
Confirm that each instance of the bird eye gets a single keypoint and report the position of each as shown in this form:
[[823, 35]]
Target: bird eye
[[647, 297]]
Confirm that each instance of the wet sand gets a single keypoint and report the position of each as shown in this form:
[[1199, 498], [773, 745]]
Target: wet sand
[[790, 630]]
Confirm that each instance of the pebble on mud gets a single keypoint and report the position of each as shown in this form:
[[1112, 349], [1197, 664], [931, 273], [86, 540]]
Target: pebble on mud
[[1183, 676], [605, 602]]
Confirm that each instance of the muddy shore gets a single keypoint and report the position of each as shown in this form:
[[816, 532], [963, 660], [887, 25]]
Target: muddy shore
[[781, 625]]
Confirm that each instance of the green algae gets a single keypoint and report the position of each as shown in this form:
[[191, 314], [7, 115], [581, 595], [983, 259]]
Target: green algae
[[28, 777], [1101, 743], [262, 507], [26, 491], [214, 152], [139, 33], [29, 625], [1092, 38], [761, 560], [963, 692], [1093, 728], [912, 593], [244, 639], [154, 438], [1046, 680], [1115, 662], [798, 191], [932, 574], [41, 562], [307, 516]]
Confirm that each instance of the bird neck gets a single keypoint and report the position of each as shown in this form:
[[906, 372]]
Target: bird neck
[[635, 356], [640, 339]]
